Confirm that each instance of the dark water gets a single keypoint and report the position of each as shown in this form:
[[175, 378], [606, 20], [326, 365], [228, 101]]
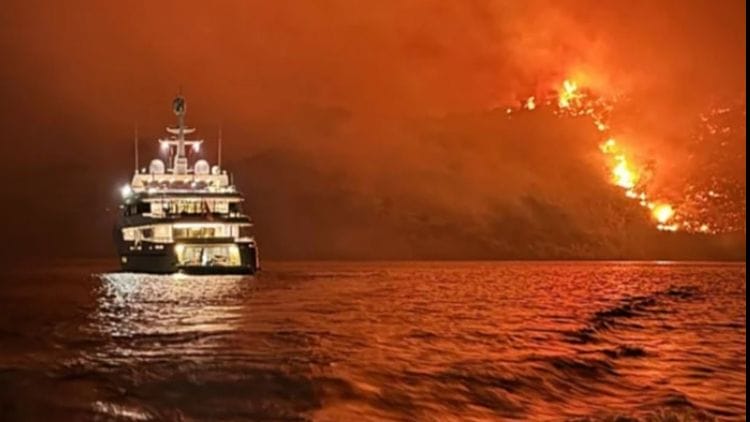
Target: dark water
[[417, 341]]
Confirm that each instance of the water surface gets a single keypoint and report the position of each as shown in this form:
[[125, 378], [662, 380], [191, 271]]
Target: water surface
[[377, 341]]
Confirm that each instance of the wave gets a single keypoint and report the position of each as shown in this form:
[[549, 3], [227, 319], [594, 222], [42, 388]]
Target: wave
[[627, 308]]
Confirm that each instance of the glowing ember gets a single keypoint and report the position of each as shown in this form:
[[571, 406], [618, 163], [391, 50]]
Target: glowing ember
[[609, 146], [662, 213], [713, 188], [530, 104], [623, 175], [568, 94], [667, 227]]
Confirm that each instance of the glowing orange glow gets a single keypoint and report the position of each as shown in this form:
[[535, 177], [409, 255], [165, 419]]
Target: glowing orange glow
[[609, 146], [667, 227], [623, 175], [623, 169], [662, 213], [568, 94], [623, 172], [530, 103]]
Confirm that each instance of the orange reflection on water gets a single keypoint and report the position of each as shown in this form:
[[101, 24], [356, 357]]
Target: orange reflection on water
[[429, 341]]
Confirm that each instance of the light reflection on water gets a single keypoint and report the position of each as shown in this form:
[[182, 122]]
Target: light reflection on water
[[151, 305]]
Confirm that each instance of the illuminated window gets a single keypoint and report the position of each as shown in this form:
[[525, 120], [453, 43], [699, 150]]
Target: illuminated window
[[128, 235], [192, 233], [157, 208], [162, 233], [221, 207], [215, 255]]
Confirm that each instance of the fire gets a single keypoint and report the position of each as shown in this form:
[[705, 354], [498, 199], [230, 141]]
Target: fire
[[625, 170], [530, 103], [568, 94], [623, 175], [609, 146], [663, 213]]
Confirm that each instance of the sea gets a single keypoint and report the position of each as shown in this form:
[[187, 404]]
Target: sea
[[376, 341]]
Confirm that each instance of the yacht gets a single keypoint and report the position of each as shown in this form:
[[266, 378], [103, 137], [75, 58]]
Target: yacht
[[183, 215]]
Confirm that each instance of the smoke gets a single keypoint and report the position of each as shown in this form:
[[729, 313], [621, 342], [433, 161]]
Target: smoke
[[365, 130]]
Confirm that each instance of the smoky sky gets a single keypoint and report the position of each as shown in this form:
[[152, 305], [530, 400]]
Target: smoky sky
[[364, 130]]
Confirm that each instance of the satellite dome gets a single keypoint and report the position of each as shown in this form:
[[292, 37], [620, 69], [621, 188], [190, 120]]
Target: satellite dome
[[215, 170], [156, 167], [201, 167]]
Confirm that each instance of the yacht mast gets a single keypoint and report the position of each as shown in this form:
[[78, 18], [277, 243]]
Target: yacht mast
[[219, 158], [135, 145], [180, 160], [176, 144]]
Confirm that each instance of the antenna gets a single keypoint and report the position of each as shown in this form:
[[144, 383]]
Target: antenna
[[135, 145], [180, 160], [219, 160]]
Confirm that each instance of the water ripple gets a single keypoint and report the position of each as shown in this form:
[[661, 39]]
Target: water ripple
[[394, 341]]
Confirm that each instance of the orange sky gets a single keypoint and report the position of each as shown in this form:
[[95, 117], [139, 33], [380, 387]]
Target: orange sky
[[384, 107]]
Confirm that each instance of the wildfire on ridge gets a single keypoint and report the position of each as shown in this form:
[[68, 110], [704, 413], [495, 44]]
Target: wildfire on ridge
[[662, 213], [624, 173], [713, 187], [710, 204]]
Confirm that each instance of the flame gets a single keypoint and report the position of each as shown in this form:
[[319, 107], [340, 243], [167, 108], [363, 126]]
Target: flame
[[624, 169], [623, 174], [568, 94], [668, 227], [609, 146], [530, 103], [662, 213]]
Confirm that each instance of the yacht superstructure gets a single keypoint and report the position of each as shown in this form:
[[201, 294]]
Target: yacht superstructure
[[178, 217]]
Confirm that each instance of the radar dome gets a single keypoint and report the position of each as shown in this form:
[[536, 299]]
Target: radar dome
[[201, 167], [156, 167], [215, 170]]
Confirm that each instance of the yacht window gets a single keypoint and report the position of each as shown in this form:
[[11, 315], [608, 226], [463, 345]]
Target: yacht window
[[221, 207], [202, 232], [156, 208], [218, 255], [128, 234], [187, 207], [161, 233]]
